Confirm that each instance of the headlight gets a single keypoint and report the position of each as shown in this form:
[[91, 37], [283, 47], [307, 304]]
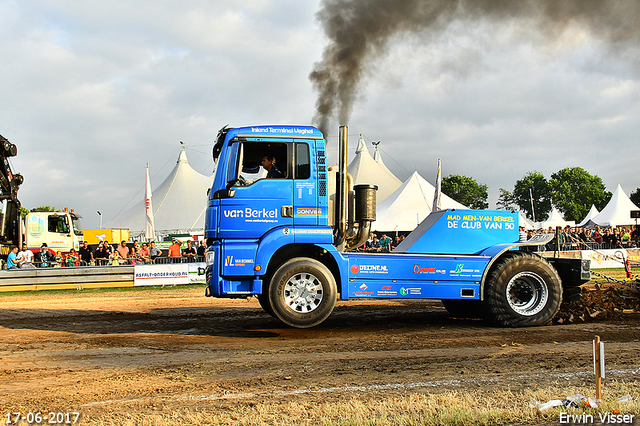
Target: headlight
[[211, 257]]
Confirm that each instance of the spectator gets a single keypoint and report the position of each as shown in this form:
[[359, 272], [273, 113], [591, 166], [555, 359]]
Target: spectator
[[108, 248], [202, 249], [396, 242], [72, 258], [101, 255], [86, 255], [615, 239], [144, 255], [59, 259], [522, 234], [625, 237], [12, 258], [25, 258], [123, 250], [597, 236], [44, 258], [375, 244], [175, 254], [385, 244], [115, 259], [190, 252], [154, 252], [607, 238]]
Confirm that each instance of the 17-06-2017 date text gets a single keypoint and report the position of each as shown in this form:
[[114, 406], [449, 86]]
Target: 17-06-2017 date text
[[43, 418]]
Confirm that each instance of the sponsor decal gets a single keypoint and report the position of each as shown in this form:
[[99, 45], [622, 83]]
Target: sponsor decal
[[253, 215], [230, 261], [460, 269], [354, 269], [363, 287], [308, 211], [35, 227], [286, 130], [410, 291], [371, 269], [386, 291], [417, 269], [286, 231]]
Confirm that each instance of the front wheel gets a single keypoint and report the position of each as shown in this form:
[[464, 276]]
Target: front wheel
[[522, 290], [302, 293]]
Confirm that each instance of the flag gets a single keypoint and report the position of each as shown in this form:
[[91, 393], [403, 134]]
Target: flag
[[149, 230], [436, 195]]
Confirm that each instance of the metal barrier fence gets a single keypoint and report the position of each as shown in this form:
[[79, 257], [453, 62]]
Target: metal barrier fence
[[78, 278], [106, 262], [583, 245]]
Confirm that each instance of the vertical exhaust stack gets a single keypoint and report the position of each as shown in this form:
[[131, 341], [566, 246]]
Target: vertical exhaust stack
[[362, 205], [342, 189]]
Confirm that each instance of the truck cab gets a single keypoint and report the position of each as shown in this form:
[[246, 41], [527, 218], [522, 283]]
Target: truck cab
[[59, 230]]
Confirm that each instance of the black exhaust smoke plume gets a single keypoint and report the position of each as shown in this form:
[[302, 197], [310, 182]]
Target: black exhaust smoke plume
[[358, 32]]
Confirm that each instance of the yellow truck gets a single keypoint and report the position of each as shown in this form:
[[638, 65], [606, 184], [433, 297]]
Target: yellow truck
[[112, 235]]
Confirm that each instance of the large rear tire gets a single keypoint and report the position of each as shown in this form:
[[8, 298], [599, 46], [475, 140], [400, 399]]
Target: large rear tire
[[302, 293], [523, 290]]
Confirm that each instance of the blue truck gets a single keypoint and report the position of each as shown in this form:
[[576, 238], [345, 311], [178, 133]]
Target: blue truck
[[291, 238]]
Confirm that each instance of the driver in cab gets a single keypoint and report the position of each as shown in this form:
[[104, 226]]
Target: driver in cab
[[269, 164]]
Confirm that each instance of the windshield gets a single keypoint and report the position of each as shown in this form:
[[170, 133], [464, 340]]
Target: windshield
[[77, 228]]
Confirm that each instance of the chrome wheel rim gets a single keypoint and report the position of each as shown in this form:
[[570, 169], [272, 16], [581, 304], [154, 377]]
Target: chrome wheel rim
[[527, 293], [303, 292]]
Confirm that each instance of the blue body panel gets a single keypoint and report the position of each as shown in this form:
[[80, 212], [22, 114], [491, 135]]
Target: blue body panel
[[415, 276], [446, 257], [461, 232]]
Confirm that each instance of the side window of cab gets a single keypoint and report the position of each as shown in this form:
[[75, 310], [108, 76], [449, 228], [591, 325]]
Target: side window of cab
[[260, 160]]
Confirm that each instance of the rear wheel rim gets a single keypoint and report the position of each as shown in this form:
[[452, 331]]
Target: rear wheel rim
[[303, 293], [527, 293]]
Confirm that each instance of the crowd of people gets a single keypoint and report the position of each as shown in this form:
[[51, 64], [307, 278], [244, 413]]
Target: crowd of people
[[382, 245], [578, 238], [581, 238], [106, 254]]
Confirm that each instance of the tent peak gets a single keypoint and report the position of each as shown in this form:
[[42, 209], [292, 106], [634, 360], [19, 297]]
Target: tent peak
[[182, 158]]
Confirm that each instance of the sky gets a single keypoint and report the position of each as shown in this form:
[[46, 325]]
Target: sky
[[92, 92]]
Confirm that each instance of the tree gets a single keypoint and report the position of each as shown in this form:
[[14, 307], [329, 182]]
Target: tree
[[506, 200], [574, 190], [23, 212], [45, 209], [533, 188], [466, 190], [635, 197]]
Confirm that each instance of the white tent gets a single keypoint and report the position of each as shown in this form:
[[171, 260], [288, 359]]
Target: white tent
[[523, 221], [618, 211], [408, 205], [179, 203], [365, 169], [593, 212], [555, 219]]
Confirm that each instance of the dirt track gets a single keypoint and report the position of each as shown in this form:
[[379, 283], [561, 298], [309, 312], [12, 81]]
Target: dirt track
[[163, 350]]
